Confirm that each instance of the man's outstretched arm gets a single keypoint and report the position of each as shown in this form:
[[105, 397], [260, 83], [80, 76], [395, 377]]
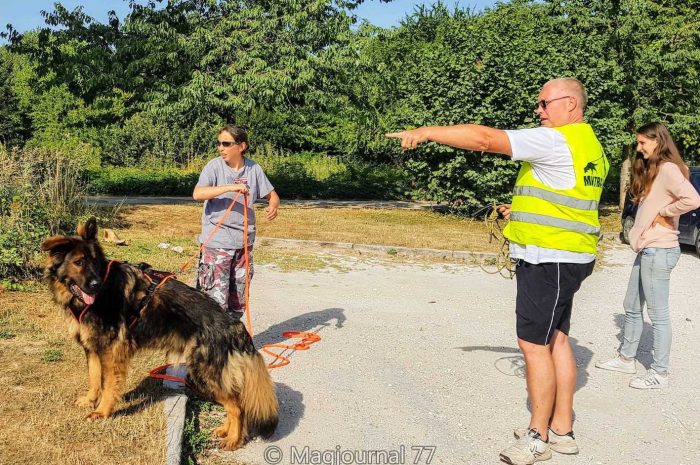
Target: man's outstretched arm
[[462, 136]]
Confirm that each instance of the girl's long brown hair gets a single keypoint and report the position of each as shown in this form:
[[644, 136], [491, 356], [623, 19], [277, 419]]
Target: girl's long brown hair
[[645, 171]]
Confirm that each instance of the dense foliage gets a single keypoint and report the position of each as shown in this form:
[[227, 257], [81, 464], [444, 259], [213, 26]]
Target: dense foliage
[[151, 89]]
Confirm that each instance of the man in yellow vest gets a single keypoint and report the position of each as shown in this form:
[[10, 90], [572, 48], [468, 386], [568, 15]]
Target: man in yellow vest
[[553, 233]]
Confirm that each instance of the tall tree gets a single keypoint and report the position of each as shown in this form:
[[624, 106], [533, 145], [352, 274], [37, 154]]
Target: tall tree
[[14, 124]]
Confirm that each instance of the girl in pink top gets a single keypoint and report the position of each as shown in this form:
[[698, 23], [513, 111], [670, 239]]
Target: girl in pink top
[[661, 187]]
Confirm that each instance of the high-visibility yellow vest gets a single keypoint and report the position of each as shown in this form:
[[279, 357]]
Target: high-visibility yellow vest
[[564, 219]]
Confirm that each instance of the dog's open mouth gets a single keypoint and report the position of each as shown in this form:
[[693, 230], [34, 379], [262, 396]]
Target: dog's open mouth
[[85, 297]]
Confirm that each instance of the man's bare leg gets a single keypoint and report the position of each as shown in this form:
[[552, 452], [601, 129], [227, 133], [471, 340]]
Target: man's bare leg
[[565, 369], [541, 384]]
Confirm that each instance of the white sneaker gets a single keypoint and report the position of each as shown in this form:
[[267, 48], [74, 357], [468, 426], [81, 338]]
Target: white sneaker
[[618, 364], [564, 443], [527, 450], [652, 380]]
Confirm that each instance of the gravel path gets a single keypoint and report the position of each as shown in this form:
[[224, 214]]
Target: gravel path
[[425, 356]]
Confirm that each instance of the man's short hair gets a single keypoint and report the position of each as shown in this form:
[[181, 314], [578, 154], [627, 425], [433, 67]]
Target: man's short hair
[[576, 86]]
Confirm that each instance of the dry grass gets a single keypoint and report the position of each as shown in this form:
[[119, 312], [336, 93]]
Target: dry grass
[[41, 375], [407, 228], [180, 224]]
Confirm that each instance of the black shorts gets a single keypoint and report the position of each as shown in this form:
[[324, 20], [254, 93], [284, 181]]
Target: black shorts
[[545, 298]]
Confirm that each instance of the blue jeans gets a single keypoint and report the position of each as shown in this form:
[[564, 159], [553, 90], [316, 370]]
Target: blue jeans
[[649, 283]]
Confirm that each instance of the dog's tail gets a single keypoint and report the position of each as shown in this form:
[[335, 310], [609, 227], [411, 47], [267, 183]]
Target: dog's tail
[[258, 397]]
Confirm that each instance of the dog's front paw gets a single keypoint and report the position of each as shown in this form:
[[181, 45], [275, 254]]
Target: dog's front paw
[[220, 432], [227, 444], [87, 401], [96, 415]]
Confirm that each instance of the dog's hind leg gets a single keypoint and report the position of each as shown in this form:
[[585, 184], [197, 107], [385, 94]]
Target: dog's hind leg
[[235, 437], [94, 381], [115, 364]]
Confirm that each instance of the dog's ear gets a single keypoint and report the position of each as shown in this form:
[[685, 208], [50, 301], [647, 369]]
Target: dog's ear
[[88, 231], [55, 244]]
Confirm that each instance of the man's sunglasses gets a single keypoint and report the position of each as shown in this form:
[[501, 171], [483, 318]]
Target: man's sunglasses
[[543, 103], [226, 143]]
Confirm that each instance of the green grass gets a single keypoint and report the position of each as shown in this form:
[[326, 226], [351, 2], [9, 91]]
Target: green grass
[[52, 356]]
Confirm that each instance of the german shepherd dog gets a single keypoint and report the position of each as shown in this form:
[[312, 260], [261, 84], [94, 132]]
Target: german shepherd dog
[[222, 362]]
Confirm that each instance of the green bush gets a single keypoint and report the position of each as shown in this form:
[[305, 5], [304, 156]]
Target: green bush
[[319, 176], [139, 181], [305, 175], [41, 193], [148, 140]]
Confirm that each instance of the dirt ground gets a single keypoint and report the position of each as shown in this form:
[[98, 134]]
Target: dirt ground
[[420, 358]]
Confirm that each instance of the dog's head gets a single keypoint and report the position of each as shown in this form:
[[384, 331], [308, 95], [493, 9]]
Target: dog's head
[[77, 262]]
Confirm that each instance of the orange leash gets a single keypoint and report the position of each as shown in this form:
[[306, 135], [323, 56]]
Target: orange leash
[[218, 225], [306, 340], [159, 373]]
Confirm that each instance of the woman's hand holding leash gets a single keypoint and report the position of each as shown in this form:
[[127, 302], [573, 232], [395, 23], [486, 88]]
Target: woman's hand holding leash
[[238, 188]]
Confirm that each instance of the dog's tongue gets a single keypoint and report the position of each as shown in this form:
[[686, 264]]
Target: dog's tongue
[[87, 298]]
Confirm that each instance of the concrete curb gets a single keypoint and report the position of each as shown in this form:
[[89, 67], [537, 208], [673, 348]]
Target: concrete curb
[[377, 249], [174, 409]]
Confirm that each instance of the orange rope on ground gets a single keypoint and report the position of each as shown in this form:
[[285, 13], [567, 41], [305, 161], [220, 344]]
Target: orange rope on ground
[[158, 373], [306, 340]]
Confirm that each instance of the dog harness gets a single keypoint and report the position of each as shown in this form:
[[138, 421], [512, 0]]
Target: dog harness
[[156, 280]]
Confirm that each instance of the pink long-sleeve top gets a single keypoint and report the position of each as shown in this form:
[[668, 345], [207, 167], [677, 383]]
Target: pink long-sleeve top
[[671, 195]]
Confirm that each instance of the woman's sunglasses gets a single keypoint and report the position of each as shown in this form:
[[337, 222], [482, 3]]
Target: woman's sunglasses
[[226, 143]]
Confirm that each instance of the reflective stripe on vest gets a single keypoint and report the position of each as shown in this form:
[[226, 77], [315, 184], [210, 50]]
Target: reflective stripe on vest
[[553, 197], [545, 220]]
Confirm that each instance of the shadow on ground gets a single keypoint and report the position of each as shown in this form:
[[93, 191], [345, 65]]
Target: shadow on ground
[[514, 365], [646, 341], [307, 322]]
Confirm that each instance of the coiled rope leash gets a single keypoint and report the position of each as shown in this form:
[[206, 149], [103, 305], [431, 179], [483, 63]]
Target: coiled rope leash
[[502, 263], [307, 339]]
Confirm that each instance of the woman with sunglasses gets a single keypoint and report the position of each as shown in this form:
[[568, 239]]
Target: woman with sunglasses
[[221, 273], [661, 188]]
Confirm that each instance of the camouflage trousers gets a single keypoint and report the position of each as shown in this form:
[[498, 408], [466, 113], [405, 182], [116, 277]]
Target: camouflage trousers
[[221, 274]]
